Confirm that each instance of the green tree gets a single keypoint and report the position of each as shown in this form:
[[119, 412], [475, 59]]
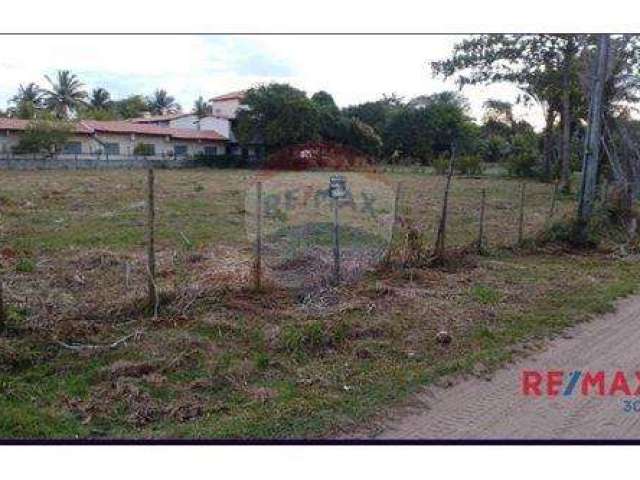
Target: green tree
[[27, 101], [202, 108], [161, 103], [279, 114], [66, 94], [131, 107], [544, 67], [429, 126], [330, 124], [100, 99], [376, 113], [44, 136]]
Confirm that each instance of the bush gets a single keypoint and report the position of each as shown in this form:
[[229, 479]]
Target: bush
[[469, 165], [44, 136], [441, 164], [524, 157], [494, 149]]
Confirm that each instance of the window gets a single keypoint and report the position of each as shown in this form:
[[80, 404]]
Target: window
[[245, 152], [72, 148], [112, 148], [180, 150], [210, 151], [145, 149]]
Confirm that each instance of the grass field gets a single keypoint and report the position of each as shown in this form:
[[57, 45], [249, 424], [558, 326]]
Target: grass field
[[220, 360]]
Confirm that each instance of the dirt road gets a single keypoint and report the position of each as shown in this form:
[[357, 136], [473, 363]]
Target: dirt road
[[497, 408]]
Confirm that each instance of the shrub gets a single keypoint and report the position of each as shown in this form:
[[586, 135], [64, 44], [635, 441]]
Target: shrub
[[441, 164], [494, 149], [44, 136], [524, 157], [469, 165]]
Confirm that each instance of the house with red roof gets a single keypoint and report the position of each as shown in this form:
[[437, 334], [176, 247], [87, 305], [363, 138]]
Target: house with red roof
[[121, 139], [165, 136], [224, 110]]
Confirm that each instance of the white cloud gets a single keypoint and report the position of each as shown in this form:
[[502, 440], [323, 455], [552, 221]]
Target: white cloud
[[352, 68]]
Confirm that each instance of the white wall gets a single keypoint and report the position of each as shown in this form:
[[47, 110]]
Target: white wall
[[226, 108], [163, 144]]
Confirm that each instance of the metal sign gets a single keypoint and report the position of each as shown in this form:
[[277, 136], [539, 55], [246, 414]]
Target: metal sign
[[337, 186]]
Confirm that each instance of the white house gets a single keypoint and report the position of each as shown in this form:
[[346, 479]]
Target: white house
[[119, 139], [179, 134], [224, 111], [227, 105]]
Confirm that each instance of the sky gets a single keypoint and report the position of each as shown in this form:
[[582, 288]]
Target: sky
[[353, 69]]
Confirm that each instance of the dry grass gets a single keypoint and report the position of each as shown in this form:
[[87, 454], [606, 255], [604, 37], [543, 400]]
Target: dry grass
[[223, 361]]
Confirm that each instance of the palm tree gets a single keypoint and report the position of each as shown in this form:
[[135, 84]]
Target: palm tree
[[66, 94], [161, 103], [100, 99], [202, 108], [26, 101], [30, 93]]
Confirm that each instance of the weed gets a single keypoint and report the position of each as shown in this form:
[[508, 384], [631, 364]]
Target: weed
[[25, 265], [485, 294]]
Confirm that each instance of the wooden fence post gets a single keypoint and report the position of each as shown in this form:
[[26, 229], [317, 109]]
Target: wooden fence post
[[554, 199], [336, 242], [440, 238], [396, 210], [521, 218], [3, 318], [151, 252], [258, 252], [481, 242]]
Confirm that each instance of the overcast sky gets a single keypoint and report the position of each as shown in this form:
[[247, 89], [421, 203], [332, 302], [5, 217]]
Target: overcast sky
[[352, 68]]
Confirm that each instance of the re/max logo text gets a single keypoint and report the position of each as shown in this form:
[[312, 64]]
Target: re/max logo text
[[554, 383]]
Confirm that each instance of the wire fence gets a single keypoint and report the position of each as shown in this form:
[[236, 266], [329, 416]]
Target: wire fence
[[75, 243]]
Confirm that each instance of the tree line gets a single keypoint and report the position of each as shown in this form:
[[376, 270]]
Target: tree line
[[392, 129], [65, 97]]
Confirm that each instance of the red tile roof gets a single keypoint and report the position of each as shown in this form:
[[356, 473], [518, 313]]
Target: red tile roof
[[93, 126], [18, 124], [158, 118], [238, 95]]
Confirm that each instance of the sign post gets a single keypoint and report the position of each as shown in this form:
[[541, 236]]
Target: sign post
[[337, 190]]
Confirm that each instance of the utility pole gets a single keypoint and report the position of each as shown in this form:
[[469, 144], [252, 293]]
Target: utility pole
[[591, 158]]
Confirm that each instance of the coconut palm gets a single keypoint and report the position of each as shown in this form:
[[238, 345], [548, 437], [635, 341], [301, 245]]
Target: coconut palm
[[30, 93], [100, 99], [161, 103], [202, 108], [26, 101], [66, 94]]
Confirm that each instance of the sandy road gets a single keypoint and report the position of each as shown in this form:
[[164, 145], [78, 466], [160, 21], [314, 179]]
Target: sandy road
[[497, 408]]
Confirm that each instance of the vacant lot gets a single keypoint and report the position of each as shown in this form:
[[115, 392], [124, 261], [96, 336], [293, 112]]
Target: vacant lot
[[222, 361]]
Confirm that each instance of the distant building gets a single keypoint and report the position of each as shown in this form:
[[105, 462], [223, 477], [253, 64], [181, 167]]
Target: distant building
[[227, 105], [120, 138], [172, 135], [224, 111]]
